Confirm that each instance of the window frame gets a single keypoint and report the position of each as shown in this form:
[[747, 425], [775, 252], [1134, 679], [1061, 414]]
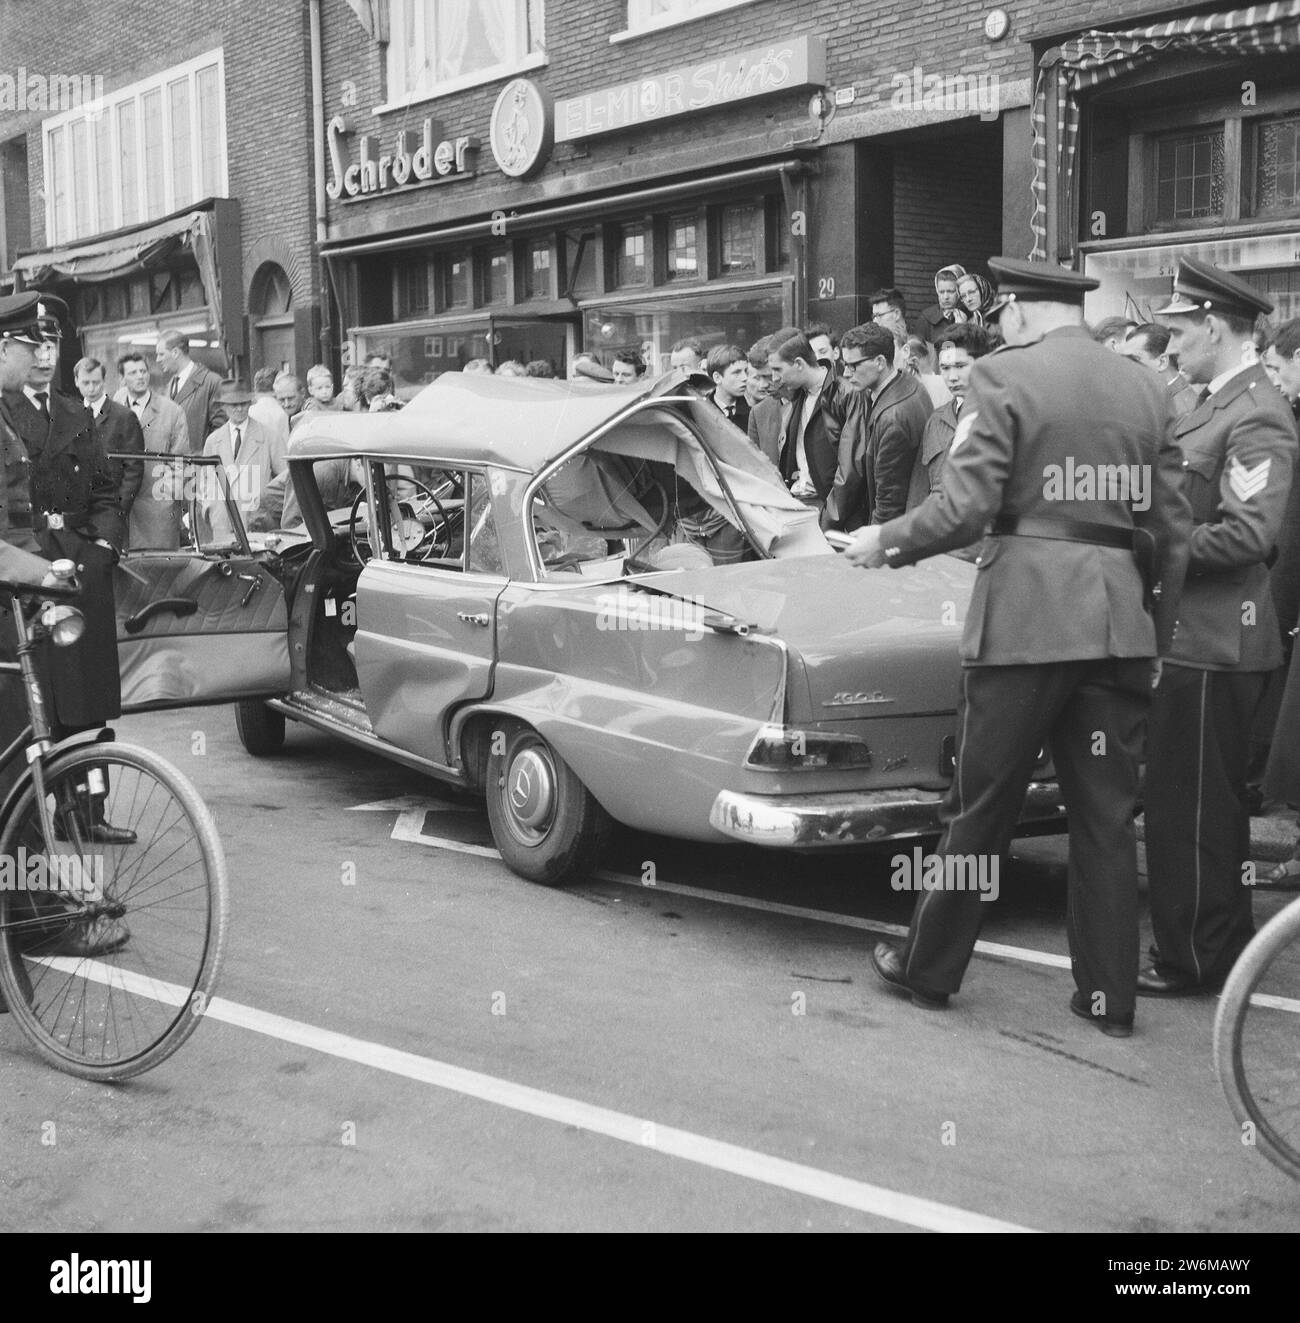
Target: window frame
[[516, 63], [642, 24], [57, 165]]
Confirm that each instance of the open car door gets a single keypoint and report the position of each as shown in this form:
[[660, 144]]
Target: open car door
[[201, 614]]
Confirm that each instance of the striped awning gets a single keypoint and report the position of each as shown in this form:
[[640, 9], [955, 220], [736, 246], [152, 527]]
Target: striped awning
[[1067, 71]]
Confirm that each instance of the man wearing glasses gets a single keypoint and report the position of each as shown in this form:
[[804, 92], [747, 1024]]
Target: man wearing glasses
[[875, 467]]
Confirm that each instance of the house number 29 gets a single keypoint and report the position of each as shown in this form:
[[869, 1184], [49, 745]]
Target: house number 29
[[826, 287]]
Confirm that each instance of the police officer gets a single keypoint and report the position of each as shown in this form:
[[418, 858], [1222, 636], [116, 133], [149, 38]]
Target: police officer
[[26, 322], [1238, 451], [75, 512], [1067, 449]]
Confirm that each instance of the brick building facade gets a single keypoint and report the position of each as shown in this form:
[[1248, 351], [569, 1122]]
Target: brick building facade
[[196, 80], [904, 146]]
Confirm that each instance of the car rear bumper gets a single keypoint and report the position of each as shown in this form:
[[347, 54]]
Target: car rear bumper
[[806, 822]]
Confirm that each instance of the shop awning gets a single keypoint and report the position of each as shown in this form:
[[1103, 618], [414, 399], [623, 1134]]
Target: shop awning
[[1070, 69], [119, 254]]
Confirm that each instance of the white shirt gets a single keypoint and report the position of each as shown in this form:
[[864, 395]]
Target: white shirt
[[1223, 378], [184, 375], [98, 407], [138, 405], [35, 396]]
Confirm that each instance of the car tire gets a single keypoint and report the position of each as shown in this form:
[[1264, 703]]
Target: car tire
[[546, 823], [261, 731]]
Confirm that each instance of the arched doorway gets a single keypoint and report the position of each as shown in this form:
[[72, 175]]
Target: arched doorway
[[270, 313]]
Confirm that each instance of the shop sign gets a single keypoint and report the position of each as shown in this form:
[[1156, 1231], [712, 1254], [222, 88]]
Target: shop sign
[[520, 133], [412, 160], [777, 67]]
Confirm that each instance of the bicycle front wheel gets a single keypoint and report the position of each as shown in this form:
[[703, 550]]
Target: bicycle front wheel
[[111, 935], [1257, 1040]]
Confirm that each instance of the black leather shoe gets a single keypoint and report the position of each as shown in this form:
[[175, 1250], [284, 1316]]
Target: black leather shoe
[[889, 969], [1152, 983], [1112, 1026], [101, 936], [99, 833]]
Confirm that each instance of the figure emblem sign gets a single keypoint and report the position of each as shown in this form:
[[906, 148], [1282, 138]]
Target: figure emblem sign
[[520, 131]]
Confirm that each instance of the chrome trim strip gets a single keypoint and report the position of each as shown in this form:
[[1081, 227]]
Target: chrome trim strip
[[851, 817]]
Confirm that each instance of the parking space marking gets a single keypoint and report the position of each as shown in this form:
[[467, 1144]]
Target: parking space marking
[[640, 1132]]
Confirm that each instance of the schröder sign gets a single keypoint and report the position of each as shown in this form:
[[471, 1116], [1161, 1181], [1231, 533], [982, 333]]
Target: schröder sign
[[779, 66]]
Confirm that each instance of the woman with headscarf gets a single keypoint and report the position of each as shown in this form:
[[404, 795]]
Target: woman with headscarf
[[975, 294], [934, 323]]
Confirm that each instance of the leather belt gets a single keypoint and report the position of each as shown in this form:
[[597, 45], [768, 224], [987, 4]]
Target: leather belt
[[1064, 530]]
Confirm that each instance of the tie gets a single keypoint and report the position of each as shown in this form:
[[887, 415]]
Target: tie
[[43, 404], [175, 386], [1203, 396], [239, 440]]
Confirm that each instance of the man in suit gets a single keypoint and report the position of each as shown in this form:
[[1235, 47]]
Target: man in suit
[[728, 368], [266, 408], [957, 355], [874, 470], [155, 520], [822, 411], [193, 388], [1148, 344], [1060, 632], [250, 455], [118, 432], [769, 405], [1239, 449]]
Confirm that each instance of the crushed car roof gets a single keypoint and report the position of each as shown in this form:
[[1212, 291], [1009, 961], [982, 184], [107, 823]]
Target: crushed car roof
[[516, 422]]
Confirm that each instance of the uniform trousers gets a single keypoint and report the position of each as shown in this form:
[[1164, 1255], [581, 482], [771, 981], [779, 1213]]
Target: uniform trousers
[[1091, 715], [1197, 820]]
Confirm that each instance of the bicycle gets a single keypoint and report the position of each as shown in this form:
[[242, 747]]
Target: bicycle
[[106, 840], [1255, 1039]]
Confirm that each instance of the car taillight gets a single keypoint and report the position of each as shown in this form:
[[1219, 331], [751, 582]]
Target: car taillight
[[786, 749]]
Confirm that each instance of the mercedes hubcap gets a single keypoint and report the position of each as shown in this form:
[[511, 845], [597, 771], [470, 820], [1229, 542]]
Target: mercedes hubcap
[[530, 790]]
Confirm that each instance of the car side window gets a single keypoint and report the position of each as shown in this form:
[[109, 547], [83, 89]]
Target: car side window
[[422, 514], [484, 549]]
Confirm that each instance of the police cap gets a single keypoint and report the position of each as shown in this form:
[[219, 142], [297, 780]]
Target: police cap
[[1018, 280], [1200, 287], [32, 317]]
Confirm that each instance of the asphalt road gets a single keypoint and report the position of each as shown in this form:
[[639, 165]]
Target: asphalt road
[[409, 1037]]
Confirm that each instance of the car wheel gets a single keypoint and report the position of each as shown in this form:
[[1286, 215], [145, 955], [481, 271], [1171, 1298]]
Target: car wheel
[[261, 731], [546, 823]]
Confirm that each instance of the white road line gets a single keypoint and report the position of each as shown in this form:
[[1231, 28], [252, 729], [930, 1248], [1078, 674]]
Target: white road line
[[1021, 953], [640, 1132]]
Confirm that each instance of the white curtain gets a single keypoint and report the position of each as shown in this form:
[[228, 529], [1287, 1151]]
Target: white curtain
[[449, 29]]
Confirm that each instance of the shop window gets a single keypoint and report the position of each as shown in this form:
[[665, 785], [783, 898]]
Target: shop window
[[683, 248], [1277, 165], [537, 269], [778, 230], [136, 154], [115, 302], [740, 234], [414, 281], [160, 291], [438, 46], [630, 255], [1189, 176], [92, 306], [139, 297], [494, 275], [189, 290], [453, 280]]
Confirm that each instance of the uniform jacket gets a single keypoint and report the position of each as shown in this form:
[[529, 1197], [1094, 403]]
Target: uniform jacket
[[1031, 415], [767, 426], [1183, 396], [71, 478], [1238, 453], [197, 400], [117, 429], [261, 457], [20, 555], [875, 467], [155, 519], [838, 414]]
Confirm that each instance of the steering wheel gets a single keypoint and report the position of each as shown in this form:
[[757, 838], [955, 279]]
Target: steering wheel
[[427, 541]]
